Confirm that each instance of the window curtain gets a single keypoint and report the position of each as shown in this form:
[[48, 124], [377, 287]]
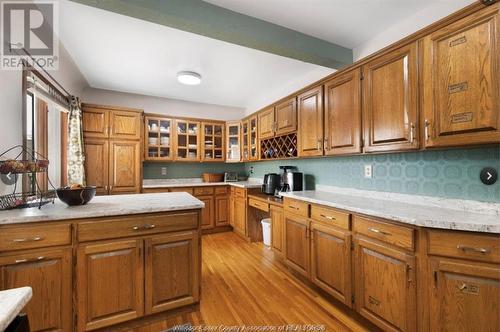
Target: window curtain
[[76, 152]]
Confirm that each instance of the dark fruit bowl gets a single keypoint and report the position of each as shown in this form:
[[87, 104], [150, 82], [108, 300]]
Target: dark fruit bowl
[[74, 197]]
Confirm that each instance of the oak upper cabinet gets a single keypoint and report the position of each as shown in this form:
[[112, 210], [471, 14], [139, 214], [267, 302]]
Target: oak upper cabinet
[[310, 118], [110, 281], [465, 296], [266, 123], [212, 141], [158, 140], [96, 164], [253, 139], [343, 114], [286, 116], [172, 271], [385, 285], [461, 91], [277, 229], [187, 141], [48, 273], [245, 143], [125, 125], [297, 247], [125, 167], [233, 142], [331, 261], [95, 121], [390, 105]]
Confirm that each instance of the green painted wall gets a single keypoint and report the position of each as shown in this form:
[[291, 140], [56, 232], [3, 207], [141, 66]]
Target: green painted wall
[[450, 173], [446, 173], [188, 170]]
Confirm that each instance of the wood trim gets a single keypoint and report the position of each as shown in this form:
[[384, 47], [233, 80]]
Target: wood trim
[[113, 108], [185, 118]]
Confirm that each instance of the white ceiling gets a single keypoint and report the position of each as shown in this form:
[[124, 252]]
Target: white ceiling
[[344, 22], [120, 53]]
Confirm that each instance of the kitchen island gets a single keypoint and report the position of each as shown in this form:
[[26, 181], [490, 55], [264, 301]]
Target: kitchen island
[[113, 261]]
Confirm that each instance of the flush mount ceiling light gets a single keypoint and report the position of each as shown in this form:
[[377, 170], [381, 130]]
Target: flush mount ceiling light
[[189, 77]]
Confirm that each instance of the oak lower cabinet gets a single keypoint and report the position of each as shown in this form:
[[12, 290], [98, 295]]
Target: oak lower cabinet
[[385, 285], [240, 215], [461, 90], [173, 258], [207, 214], [297, 248], [110, 281], [390, 101], [331, 261], [465, 295], [48, 273], [221, 210], [277, 229]]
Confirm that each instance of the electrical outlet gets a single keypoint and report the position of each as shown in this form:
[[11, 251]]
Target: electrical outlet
[[368, 171], [163, 171]]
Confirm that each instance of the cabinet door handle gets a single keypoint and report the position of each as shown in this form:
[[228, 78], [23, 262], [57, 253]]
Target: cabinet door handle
[[378, 231], [426, 129], [327, 217], [408, 273], [27, 260], [412, 132], [143, 227], [319, 144], [307, 232], [484, 251], [33, 239]]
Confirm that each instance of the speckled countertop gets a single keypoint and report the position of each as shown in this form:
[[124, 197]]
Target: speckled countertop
[[414, 210], [104, 206], [196, 182], [12, 301]]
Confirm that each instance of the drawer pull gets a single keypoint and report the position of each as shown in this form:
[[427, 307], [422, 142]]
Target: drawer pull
[[327, 217], [143, 227], [33, 239], [484, 251], [373, 300], [293, 207], [378, 231], [20, 261]]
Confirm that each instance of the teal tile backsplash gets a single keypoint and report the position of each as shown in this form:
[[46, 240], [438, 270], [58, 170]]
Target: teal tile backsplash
[[450, 173]]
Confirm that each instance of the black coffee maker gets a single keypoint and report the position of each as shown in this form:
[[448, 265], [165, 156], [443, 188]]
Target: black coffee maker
[[291, 180], [272, 182]]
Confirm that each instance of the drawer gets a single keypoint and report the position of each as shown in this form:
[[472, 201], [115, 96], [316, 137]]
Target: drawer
[[296, 207], [154, 190], [27, 237], [203, 191], [240, 192], [118, 227], [393, 234], [464, 245], [258, 204], [331, 216], [221, 190], [181, 190]]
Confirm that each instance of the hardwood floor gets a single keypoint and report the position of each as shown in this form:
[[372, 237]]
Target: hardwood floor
[[243, 284]]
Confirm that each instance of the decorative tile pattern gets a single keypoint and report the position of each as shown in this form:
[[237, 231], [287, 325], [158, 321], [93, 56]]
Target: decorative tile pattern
[[444, 173]]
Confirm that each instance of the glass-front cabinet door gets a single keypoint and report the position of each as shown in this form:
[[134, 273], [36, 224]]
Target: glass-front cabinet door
[[158, 139], [233, 143], [245, 146], [187, 143], [212, 141], [254, 148]]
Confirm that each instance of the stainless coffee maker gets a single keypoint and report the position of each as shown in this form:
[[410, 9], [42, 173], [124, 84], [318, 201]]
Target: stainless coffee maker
[[291, 180]]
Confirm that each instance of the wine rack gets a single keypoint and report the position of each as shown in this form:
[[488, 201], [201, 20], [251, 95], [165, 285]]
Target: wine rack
[[279, 147]]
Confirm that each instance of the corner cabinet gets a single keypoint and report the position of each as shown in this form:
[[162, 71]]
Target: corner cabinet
[[390, 94], [461, 89], [310, 118], [343, 114]]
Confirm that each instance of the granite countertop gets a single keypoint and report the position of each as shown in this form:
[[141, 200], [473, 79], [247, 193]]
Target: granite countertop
[[196, 182], [12, 301], [414, 210], [104, 206]]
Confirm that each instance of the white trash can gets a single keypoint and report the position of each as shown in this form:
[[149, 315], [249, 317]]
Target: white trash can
[[266, 231]]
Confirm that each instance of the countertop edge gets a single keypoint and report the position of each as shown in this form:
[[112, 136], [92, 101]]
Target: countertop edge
[[23, 296]]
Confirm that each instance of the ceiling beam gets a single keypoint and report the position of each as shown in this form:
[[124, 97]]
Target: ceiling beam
[[212, 21]]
